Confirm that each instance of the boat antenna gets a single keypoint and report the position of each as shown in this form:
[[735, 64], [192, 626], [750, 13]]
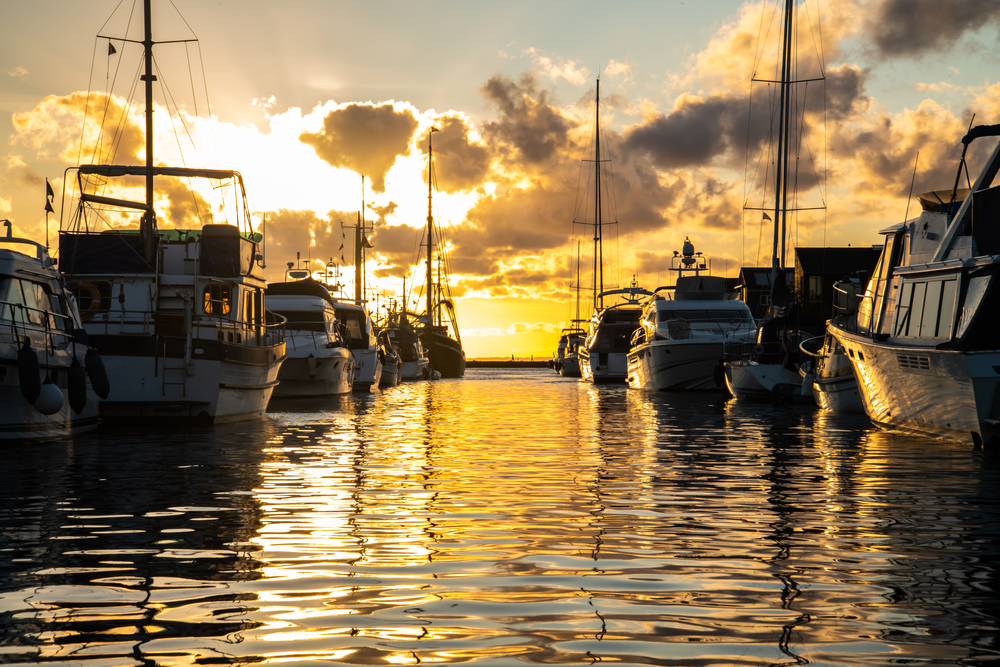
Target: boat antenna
[[912, 181]]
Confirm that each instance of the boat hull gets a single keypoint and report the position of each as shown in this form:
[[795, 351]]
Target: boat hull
[[838, 394], [324, 372], [390, 375], [676, 365], [948, 394], [410, 371], [21, 421], [604, 367], [570, 366], [367, 369], [445, 354], [764, 382], [232, 382]]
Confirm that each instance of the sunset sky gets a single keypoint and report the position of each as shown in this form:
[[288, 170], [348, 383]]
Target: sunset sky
[[307, 96]]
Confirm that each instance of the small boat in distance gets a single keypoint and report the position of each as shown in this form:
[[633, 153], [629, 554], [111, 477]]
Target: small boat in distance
[[45, 392], [319, 363], [413, 361], [567, 359], [391, 362], [439, 335], [679, 344]]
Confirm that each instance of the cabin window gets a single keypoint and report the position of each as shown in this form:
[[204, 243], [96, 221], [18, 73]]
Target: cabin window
[[353, 323], [218, 299], [303, 320], [815, 289], [977, 290], [926, 309]]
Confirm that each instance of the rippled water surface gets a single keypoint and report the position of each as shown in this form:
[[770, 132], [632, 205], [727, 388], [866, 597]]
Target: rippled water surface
[[511, 517]]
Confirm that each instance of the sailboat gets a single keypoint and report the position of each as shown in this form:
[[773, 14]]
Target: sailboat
[[924, 344], [439, 335], [177, 314], [604, 351], [766, 368]]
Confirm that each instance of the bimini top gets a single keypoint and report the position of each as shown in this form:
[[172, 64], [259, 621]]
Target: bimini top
[[306, 287]]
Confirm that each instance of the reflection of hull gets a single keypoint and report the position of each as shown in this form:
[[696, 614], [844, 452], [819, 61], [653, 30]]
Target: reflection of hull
[[763, 382], [685, 364], [445, 354], [570, 366], [323, 372], [604, 367], [367, 369], [942, 393], [234, 384]]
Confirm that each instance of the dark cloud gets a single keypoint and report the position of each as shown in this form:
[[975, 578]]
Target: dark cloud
[[845, 92], [459, 163], [187, 208], [22, 174], [914, 27], [536, 130], [364, 138]]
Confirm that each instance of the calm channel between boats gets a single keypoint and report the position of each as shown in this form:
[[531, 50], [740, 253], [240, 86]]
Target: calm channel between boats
[[511, 517]]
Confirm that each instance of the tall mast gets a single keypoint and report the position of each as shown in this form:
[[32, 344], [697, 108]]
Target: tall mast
[[430, 227], [358, 260], [148, 222], [781, 172], [598, 236], [576, 322]]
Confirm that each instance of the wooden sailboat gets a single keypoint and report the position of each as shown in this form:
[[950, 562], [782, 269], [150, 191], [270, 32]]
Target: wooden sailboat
[[603, 353], [439, 335]]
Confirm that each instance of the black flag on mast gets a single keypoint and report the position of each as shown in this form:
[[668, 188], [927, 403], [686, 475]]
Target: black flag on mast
[[111, 48], [49, 196]]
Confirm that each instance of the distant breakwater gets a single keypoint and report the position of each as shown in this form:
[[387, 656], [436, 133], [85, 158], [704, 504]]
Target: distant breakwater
[[509, 363]]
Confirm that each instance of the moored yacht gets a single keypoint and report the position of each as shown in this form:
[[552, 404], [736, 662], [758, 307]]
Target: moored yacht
[[604, 353], [567, 360], [924, 344], [45, 392], [683, 329], [359, 332], [413, 361], [318, 362], [177, 314]]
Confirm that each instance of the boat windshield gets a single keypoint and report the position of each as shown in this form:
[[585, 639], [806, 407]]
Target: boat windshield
[[354, 324], [714, 316], [299, 320]]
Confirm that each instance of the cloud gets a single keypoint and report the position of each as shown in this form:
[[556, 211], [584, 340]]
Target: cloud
[[617, 69], [513, 329], [22, 173], [53, 129], [559, 68], [459, 162], [365, 138], [916, 27], [290, 232], [18, 72], [939, 87], [534, 129]]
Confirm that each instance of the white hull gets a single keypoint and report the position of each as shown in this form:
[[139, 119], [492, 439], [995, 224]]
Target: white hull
[[838, 394], [367, 369], [214, 391], [20, 421], [570, 366], [763, 382], [414, 370], [326, 371], [675, 365], [613, 367], [943, 393], [390, 375]]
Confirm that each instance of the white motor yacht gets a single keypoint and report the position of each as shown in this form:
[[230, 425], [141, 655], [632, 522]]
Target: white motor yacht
[[924, 344], [45, 391], [413, 361], [319, 362], [359, 332], [679, 345]]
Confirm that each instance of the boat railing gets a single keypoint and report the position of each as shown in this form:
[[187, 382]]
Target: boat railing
[[124, 322], [816, 342], [752, 353], [846, 316], [16, 316]]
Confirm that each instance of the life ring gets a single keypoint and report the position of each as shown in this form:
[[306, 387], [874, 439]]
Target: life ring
[[94, 307], [758, 350]]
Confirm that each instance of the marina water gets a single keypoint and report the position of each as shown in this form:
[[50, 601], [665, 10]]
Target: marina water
[[508, 518]]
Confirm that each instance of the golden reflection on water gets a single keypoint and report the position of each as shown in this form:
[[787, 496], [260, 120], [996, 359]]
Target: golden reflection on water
[[510, 518]]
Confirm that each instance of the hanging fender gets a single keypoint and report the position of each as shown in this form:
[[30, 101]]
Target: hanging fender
[[50, 398], [27, 372], [98, 376], [76, 386]]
